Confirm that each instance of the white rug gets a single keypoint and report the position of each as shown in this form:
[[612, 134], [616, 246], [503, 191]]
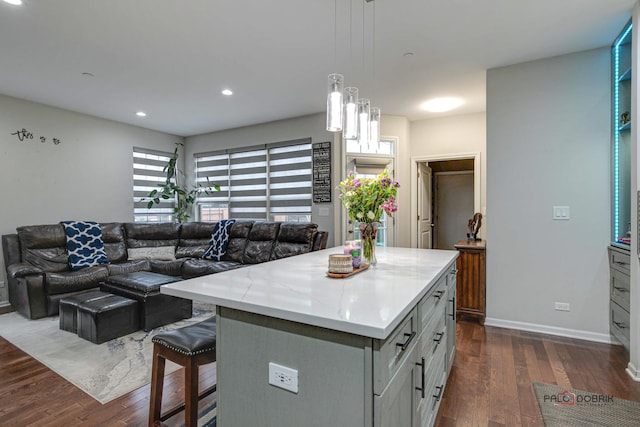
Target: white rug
[[104, 371]]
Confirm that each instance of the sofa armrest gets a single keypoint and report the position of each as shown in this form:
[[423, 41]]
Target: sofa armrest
[[23, 269]]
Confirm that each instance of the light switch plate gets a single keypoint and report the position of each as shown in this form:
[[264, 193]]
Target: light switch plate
[[561, 212]]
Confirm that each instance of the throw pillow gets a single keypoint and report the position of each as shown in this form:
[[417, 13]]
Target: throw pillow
[[219, 240], [164, 253], [84, 244]]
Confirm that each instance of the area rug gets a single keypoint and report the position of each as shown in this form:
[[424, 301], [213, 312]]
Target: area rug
[[207, 417], [106, 371], [567, 407]]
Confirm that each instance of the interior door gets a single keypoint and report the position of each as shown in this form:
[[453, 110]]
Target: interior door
[[425, 217], [453, 207]]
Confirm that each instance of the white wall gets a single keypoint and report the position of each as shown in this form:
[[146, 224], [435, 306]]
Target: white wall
[[88, 176], [451, 136], [548, 142], [312, 126]]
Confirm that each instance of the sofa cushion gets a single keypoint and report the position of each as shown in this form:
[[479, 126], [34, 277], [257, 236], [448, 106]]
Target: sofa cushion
[[71, 281], [129, 267], [219, 240], [151, 235], [84, 244], [166, 253], [44, 246], [294, 239], [201, 267], [115, 244], [238, 236], [262, 237]]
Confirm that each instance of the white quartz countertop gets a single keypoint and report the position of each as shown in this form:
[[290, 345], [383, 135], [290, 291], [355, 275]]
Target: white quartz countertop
[[371, 303]]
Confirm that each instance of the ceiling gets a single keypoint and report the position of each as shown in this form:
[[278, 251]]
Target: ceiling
[[172, 58]]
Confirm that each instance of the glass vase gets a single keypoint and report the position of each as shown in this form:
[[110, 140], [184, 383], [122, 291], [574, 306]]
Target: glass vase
[[368, 233]]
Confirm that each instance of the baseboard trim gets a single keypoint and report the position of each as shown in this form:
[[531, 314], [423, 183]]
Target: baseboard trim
[[633, 372], [5, 307], [551, 330]]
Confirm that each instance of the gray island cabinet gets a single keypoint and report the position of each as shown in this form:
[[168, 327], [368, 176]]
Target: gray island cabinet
[[297, 348]]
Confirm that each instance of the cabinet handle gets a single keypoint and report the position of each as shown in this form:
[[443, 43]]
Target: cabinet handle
[[620, 325], [453, 308], [620, 263], [405, 345], [421, 389], [438, 294], [439, 335], [620, 289], [439, 394]]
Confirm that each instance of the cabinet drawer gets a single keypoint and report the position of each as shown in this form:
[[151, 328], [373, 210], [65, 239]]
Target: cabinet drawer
[[620, 291], [434, 299], [619, 324], [619, 260], [434, 381], [389, 354]]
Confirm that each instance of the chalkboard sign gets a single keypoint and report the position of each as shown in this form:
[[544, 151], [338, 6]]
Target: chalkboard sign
[[322, 172]]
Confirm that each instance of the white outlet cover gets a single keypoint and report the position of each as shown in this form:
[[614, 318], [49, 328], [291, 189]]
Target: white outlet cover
[[283, 377]]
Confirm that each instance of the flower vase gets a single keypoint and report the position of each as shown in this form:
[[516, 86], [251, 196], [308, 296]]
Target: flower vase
[[368, 233]]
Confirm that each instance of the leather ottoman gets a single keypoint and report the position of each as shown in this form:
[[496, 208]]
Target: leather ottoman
[[156, 309], [69, 308], [104, 319]]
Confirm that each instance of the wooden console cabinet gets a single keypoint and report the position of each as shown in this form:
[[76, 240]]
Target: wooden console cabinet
[[471, 291]]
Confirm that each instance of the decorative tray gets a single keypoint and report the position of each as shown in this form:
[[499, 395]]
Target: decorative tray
[[345, 275]]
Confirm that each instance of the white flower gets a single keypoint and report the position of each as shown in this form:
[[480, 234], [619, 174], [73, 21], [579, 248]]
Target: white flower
[[371, 215], [359, 215]]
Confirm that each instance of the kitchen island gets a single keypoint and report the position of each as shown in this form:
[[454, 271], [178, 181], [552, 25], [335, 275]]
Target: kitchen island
[[296, 347]]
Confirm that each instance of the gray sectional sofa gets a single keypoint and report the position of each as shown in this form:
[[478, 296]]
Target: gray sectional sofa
[[39, 276]]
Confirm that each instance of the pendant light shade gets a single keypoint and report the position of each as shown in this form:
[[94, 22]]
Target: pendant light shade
[[374, 127], [363, 121], [350, 130], [334, 102]]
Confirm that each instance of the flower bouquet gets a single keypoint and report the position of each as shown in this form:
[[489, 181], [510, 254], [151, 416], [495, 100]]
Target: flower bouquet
[[366, 199]]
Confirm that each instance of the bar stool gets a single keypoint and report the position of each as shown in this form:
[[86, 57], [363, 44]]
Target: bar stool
[[191, 347]]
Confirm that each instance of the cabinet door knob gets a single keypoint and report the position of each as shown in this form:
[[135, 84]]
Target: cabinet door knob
[[438, 294], [405, 345]]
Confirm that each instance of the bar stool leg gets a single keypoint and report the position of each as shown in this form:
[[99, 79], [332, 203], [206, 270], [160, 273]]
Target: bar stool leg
[[191, 392], [157, 383]]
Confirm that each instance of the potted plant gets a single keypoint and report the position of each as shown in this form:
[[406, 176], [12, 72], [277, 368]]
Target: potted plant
[[184, 195]]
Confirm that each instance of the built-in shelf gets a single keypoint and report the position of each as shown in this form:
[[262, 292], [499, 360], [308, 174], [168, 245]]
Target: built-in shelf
[[625, 76], [626, 126]]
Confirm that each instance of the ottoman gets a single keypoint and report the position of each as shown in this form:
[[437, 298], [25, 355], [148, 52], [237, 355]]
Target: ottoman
[[104, 319], [69, 308], [156, 309]]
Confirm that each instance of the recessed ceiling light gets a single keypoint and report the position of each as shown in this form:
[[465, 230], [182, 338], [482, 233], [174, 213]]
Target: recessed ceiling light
[[440, 105], [87, 74], [14, 2], [407, 54], [227, 92], [141, 114]]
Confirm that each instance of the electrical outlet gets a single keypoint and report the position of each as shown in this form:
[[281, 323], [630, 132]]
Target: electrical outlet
[[563, 306], [283, 377]]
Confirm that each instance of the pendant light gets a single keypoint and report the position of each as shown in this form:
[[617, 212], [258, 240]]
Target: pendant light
[[374, 128], [350, 130], [363, 122], [334, 103]]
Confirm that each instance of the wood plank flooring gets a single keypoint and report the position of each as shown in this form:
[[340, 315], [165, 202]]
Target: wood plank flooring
[[490, 383]]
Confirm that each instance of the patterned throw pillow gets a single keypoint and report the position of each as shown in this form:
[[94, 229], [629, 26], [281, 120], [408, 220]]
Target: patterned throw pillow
[[219, 240], [84, 244]]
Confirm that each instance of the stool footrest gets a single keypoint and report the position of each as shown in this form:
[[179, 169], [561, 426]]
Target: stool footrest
[[176, 410]]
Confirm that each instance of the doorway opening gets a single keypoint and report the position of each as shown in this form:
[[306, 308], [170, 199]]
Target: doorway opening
[[448, 195]]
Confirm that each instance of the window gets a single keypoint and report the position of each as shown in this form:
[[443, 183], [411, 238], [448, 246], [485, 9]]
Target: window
[[147, 174], [264, 182]]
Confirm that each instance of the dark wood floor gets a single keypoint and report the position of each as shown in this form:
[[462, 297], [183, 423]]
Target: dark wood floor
[[490, 383]]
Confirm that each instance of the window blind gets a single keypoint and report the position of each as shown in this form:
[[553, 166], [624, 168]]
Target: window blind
[[147, 174], [260, 182]]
